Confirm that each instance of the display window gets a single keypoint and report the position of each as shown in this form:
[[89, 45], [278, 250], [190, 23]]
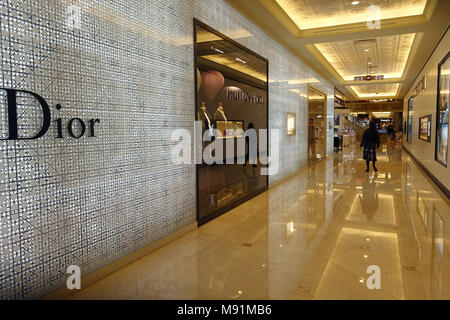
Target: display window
[[232, 106]]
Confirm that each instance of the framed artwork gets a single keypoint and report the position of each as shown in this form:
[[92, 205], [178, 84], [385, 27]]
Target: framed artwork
[[443, 98], [425, 128], [291, 124]]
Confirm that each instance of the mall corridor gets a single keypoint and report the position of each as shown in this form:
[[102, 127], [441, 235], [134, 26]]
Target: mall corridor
[[210, 150], [310, 237]]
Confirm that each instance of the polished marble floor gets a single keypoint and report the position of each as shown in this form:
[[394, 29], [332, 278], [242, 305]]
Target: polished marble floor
[[310, 237]]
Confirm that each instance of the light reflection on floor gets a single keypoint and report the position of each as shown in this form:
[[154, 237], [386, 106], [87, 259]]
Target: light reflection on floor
[[311, 237]]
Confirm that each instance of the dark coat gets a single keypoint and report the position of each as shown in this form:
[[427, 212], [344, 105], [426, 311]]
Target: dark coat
[[370, 139]]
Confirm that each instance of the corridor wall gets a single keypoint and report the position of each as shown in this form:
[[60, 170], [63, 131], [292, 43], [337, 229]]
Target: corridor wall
[[423, 105]]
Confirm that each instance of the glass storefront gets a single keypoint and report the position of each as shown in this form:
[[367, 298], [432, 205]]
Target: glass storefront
[[231, 104]]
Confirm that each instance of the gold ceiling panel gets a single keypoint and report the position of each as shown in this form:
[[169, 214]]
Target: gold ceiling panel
[[376, 90], [332, 36], [311, 14], [385, 55]]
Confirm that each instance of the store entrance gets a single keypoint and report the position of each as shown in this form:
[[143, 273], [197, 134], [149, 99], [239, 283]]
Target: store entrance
[[316, 125], [232, 107]]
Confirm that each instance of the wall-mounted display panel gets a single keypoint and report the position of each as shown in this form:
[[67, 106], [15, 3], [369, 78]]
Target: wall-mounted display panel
[[231, 83], [425, 128], [291, 124], [443, 100]]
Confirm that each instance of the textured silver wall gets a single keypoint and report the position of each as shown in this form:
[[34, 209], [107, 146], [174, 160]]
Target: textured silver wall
[[90, 201]]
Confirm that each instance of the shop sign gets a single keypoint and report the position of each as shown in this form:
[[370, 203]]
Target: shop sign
[[11, 105]]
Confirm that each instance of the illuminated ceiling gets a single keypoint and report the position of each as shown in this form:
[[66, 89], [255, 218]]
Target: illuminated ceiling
[[334, 39], [376, 90], [310, 14], [380, 55], [385, 56]]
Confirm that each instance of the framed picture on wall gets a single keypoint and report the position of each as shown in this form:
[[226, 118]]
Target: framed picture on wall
[[443, 98], [291, 124], [425, 128]]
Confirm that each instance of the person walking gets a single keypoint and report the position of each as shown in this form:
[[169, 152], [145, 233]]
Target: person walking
[[390, 131], [370, 141]]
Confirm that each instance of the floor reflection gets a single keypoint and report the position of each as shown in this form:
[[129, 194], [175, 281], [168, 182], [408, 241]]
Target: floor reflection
[[311, 237]]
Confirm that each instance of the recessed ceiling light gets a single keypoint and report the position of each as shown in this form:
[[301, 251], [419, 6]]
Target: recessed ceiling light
[[355, 3], [366, 50]]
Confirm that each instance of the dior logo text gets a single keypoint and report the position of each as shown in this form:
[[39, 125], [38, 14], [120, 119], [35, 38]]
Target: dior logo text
[[11, 103]]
